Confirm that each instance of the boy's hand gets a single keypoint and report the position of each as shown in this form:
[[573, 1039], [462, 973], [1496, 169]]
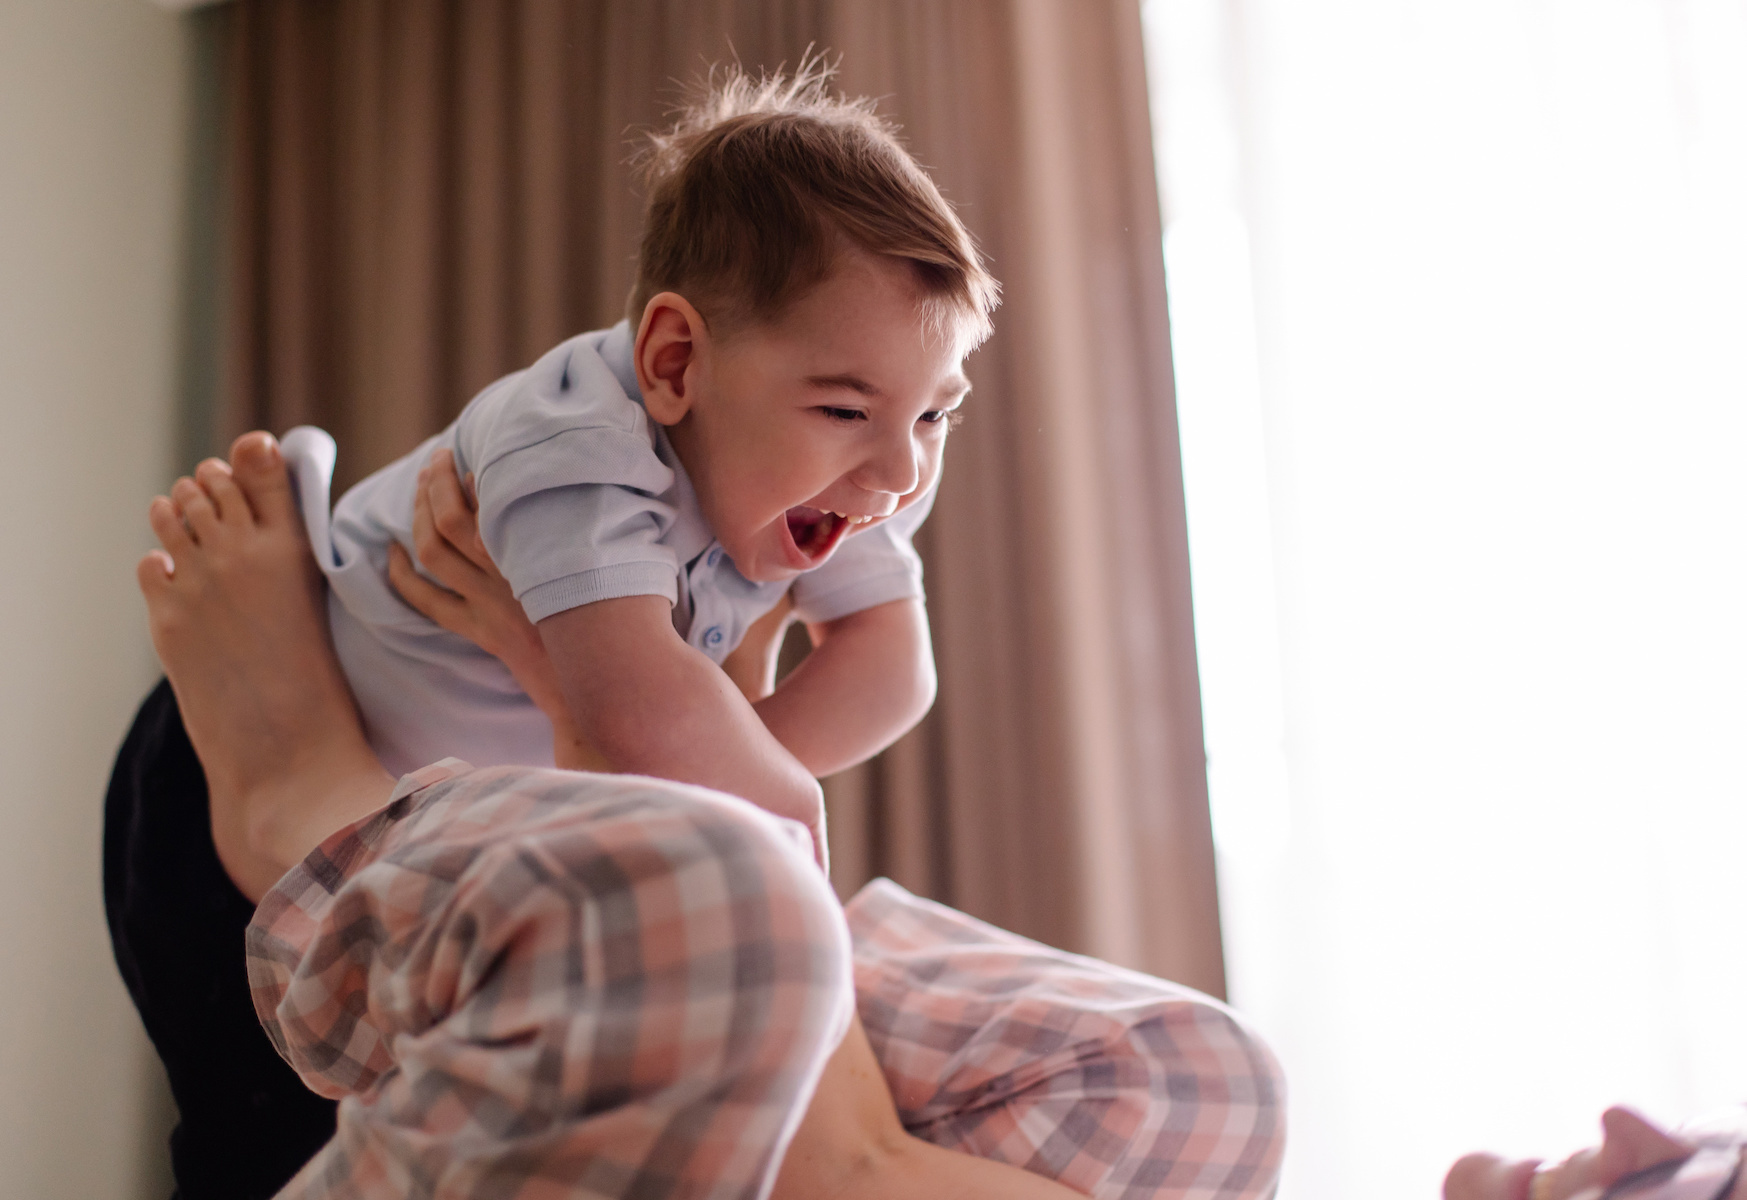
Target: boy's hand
[[475, 600]]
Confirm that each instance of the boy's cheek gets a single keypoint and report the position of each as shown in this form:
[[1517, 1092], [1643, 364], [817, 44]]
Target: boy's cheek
[[930, 475]]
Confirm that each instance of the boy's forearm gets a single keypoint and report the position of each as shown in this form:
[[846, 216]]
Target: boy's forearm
[[869, 679], [653, 706]]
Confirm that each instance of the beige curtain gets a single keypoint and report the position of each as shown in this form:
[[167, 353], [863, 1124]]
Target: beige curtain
[[424, 196]]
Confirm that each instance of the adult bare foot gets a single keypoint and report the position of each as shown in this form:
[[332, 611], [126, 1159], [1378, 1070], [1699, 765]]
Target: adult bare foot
[[237, 615]]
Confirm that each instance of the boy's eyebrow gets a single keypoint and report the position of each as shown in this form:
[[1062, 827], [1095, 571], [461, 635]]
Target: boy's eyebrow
[[853, 383], [956, 387]]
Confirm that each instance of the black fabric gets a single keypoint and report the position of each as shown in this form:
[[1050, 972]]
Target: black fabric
[[176, 922]]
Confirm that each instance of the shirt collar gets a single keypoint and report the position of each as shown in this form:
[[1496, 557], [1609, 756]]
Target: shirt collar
[[615, 351], [689, 536]]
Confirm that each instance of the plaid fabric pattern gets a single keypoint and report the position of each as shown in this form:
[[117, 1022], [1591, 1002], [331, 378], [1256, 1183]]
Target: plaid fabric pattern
[[1117, 1084], [529, 984]]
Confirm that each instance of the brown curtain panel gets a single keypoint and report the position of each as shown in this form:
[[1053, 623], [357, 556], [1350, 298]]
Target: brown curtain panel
[[424, 196]]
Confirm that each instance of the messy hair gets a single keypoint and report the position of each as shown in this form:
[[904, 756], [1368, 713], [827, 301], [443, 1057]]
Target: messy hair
[[755, 189]]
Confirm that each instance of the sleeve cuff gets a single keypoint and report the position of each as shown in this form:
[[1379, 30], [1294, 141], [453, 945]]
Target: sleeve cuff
[[901, 584], [600, 583]]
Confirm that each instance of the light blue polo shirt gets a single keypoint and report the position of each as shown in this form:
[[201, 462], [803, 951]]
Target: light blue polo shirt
[[581, 498]]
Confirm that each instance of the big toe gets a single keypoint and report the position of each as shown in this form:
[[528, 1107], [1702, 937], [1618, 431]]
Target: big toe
[[259, 470]]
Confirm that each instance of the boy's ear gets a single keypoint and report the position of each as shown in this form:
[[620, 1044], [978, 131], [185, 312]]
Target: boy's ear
[[670, 343]]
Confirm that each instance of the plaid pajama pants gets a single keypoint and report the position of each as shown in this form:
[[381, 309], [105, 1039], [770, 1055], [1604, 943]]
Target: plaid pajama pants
[[532, 983]]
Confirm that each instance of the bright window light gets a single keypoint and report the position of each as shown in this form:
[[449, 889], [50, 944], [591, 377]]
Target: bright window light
[[1459, 311]]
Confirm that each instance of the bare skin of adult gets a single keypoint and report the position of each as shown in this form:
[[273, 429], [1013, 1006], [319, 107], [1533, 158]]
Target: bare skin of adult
[[237, 615], [1630, 1143]]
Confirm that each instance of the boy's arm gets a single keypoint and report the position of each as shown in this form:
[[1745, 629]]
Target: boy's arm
[[652, 705], [869, 679]]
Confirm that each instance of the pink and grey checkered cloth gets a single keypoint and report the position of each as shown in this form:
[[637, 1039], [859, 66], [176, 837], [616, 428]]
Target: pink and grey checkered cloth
[[529, 983]]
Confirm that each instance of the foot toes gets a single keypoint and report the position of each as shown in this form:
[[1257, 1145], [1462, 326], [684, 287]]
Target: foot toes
[[259, 470], [167, 523], [214, 475], [198, 512], [154, 572]]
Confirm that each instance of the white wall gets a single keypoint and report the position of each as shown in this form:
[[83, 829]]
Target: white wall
[[92, 161]]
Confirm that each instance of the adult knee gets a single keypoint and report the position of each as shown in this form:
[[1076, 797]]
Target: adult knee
[[680, 882], [1217, 1099]]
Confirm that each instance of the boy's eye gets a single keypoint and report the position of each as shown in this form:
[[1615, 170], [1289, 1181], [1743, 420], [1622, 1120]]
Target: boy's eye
[[844, 414], [952, 418]]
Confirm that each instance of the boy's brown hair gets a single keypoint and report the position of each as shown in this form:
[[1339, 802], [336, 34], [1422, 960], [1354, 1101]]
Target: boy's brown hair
[[753, 191]]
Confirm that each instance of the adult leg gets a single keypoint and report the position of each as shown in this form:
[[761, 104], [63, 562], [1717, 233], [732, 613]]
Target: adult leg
[[1117, 1084], [235, 626], [246, 1123], [540, 983], [852, 1145], [235, 607], [176, 914]]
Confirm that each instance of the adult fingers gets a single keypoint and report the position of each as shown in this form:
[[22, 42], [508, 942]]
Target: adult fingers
[[436, 603], [438, 555], [454, 511], [1488, 1177]]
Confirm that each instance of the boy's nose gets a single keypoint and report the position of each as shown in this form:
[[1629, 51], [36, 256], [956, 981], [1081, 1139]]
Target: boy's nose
[[895, 468]]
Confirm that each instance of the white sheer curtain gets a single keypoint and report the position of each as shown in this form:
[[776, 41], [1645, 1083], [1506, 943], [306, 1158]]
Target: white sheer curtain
[[1459, 296]]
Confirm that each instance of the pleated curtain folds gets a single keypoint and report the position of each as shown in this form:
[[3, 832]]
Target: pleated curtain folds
[[423, 196]]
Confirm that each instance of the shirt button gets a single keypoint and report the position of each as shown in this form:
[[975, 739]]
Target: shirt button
[[713, 636], [714, 557]]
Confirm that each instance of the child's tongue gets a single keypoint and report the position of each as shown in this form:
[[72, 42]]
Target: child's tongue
[[813, 529]]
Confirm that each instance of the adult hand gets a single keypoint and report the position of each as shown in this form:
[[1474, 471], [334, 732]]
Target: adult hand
[[472, 598], [1630, 1143]]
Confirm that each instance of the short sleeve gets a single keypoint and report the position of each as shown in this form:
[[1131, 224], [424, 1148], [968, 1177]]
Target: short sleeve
[[868, 569], [573, 498], [574, 545]]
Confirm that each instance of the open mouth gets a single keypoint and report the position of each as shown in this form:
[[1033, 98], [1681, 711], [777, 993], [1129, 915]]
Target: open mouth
[[817, 531]]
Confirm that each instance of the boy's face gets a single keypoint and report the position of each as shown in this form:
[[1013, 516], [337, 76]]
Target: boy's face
[[800, 432]]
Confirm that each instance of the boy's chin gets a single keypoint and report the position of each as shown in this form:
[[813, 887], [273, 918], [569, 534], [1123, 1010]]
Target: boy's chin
[[769, 573], [758, 564], [775, 560]]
